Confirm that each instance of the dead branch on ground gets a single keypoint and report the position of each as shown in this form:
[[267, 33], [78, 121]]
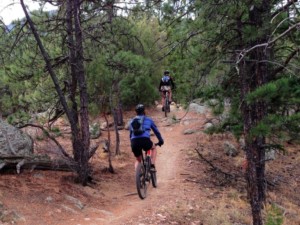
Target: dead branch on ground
[[35, 162], [227, 176]]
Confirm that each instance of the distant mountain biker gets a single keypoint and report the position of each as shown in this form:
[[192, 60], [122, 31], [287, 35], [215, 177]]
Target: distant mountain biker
[[142, 141], [166, 84]]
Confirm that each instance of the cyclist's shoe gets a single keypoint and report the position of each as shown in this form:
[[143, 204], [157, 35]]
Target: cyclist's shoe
[[152, 169]]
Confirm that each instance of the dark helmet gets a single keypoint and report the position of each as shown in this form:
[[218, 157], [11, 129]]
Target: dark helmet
[[166, 72], [140, 109]]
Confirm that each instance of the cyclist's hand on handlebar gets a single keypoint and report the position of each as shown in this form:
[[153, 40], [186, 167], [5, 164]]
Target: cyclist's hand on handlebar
[[160, 143]]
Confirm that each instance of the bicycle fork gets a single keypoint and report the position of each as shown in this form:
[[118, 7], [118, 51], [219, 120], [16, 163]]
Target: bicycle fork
[[148, 165]]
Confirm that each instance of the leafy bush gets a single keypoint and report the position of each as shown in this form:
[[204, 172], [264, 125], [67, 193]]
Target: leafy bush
[[274, 216]]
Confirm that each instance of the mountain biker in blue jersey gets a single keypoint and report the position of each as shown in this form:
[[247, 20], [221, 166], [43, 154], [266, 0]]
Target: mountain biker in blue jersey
[[142, 141], [166, 84]]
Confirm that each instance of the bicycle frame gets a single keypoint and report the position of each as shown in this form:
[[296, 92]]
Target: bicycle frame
[[146, 162], [144, 175]]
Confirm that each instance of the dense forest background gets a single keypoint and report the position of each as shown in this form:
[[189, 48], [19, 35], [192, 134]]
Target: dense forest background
[[93, 57]]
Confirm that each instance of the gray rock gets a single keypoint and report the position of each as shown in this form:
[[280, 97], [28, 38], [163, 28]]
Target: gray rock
[[95, 131], [11, 217], [189, 131], [270, 154], [201, 109], [208, 125], [75, 201], [230, 150], [103, 125], [13, 141], [242, 143]]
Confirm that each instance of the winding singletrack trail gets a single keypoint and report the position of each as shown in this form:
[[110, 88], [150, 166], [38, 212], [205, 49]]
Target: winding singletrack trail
[[170, 167], [189, 191], [52, 198], [125, 207]]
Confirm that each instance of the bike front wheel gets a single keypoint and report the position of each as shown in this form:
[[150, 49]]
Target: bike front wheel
[[152, 173], [141, 184], [153, 179]]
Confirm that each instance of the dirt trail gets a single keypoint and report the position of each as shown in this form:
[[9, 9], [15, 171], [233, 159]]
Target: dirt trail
[[133, 210], [189, 191], [52, 198]]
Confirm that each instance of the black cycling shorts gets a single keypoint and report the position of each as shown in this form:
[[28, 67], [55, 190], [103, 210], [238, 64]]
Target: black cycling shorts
[[139, 144]]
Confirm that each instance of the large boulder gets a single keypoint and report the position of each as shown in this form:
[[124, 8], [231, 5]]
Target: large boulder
[[14, 142], [201, 109]]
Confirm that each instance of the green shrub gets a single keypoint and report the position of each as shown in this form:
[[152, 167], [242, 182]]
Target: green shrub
[[274, 216]]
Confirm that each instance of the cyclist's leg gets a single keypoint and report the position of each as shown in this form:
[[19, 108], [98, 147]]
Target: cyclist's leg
[[153, 154], [137, 151], [162, 99], [170, 95], [149, 145]]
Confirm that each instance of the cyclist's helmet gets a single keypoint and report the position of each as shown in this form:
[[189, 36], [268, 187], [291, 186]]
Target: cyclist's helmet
[[166, 72], [140, 109]]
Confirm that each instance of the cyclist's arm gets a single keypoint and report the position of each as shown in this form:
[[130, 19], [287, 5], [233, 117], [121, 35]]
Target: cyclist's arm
[[156, 132], [172, 83], [130, 130], [160, 84]]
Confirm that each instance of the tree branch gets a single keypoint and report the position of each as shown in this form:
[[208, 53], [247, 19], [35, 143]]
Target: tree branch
[[289, 58], [49, 136], [285, 7]]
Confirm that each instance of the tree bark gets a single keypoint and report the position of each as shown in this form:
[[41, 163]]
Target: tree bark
[[80, 133], [81, 148], [117, 151], [253, 73], [110, 166]]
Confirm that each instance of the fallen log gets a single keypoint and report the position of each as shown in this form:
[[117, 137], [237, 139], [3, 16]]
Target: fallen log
[[35, 162]]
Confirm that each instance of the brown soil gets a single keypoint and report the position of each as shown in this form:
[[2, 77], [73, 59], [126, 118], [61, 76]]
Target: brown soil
[[189, 190]]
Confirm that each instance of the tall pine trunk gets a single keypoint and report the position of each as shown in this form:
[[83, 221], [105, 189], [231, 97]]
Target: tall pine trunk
[[255, 173], [253, 73], [81, 148], [80, 132]]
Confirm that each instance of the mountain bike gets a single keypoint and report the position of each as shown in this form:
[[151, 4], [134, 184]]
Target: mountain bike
[[144, 175], [166, 103]]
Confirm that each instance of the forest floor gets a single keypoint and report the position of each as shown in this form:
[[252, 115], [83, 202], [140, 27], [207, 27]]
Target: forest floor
[[190, 189]]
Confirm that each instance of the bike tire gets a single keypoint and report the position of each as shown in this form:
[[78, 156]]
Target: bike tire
[[153, 179], [141, 181], [152, 174]]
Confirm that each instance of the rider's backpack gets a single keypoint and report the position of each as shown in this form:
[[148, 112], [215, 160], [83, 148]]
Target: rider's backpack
[[137, 125], [165, 79]]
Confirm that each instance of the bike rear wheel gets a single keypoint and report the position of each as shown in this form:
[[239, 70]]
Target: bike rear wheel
[[166, 106], [141, 184]]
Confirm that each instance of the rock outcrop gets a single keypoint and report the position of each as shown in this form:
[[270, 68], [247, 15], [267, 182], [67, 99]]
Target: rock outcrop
[[14, 142]]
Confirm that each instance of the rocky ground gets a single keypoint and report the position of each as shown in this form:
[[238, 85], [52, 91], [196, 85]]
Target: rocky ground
[[197, 183]]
